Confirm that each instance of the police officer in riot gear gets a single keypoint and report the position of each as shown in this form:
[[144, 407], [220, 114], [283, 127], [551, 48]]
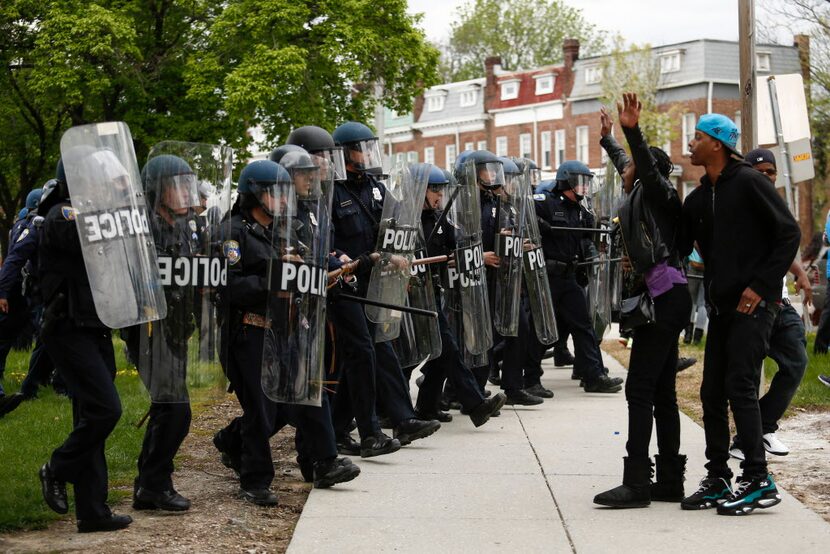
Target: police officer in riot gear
[[170, 189], [357, 209], [73, 333], [563, 250], [449, 365]]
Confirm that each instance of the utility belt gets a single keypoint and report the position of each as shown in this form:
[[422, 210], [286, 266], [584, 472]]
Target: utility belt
[[560, 269], [256, 320]]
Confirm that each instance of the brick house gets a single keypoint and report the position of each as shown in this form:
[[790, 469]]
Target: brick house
[[551, 114]]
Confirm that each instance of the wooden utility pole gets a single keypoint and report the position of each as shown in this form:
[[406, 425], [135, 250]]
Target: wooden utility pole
[[746, 36]]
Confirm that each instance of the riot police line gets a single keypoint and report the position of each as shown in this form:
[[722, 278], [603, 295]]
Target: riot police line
[[312, 296]]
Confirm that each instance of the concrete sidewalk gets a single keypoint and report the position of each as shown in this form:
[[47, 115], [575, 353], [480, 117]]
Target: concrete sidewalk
[[524, 482]]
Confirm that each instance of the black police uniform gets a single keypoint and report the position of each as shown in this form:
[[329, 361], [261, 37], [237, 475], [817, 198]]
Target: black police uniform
[[357, 210], [169, 423], [74, 334], [563, 249], [449, 365], [510, 350]]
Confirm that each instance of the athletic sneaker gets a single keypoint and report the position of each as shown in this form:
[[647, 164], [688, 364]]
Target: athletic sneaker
[[750, 494], [775, 446], [825, 380], [735, 450], [712, 491]]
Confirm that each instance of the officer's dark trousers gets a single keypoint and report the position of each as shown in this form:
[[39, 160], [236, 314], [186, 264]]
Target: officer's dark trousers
[[393, 389], [167, 427], [355, 359], [88, 369], [572, 317], [449, 365], [788, 347], [822, 342], [535, 351], [514, 353], [736, 346], [314, 438], [40, 369], [244, 370], [650, 386]]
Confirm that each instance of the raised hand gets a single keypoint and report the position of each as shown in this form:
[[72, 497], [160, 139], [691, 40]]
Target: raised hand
[[629, 110], [605, 121]]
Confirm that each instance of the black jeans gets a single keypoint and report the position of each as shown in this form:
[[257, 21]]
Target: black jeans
[[650, 387], [88, 368], [788, 347], [736, 346]]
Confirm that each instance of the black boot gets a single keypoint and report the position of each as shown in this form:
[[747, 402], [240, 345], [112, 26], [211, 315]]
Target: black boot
[[687, 334], [671, 472], [634, 492]]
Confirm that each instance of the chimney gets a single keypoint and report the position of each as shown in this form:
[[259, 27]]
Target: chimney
[[570, 52], [418, 107], [802, 42], [492, 68]]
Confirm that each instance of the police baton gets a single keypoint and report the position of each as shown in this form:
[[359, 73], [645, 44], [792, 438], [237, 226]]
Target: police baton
[[579, 229], [428, 261], [408, 309], [597, 262]]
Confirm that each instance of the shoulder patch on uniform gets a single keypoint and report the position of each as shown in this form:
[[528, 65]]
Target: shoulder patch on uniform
[[231, 250], [538, 196], [23, 235], [68, 213]]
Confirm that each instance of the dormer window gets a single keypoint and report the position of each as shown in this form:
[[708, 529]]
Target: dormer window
[[593, 74], [435, 100], [762, 61], [469, 97], [670, 61], [510, 89], [544, 83]]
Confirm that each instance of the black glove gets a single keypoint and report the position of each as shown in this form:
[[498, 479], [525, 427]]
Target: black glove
[[544, 227]]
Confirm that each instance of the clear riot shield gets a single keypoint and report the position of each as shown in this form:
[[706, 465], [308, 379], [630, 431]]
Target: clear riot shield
[[293, 351], [397, 235], [113, 223], [535, 273], [181, 352], [468, 274], [511, 221], [419, 339]]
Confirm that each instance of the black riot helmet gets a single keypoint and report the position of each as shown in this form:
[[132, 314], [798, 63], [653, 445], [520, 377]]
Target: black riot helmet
[[170, 185], [489, 169], [319, 142], [360, 147], [280, 151]]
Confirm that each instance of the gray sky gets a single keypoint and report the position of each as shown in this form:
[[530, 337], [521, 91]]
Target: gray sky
[[642, 21]]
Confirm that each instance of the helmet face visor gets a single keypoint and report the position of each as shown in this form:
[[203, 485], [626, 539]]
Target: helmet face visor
[[365, 156], [535, 177], [332, 164], [581, 184], [180, 192], [277, 199], [490, 175], [306, 182]]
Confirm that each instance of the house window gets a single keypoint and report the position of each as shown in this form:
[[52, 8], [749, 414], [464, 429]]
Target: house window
[[400, 157], [450, 152], [469, 146], [544, 84], [501, 146], [738, 121], [593, 74], [670, 62], [762, 61], [510, 89], [546, 149], [689, 122], [525, 148], [435, 102], [411, 157], [429, 155], [582, 144], [559, 144], [469, 98], [482, 145]]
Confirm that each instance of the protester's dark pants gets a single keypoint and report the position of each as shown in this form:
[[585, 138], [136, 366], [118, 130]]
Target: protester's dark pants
[[572, 317], [736, 346], [449, 365], [167, 427], [822, 342], [244, 370], [355, 360], [88, 368], [788, 347], [650, 386], [40, 369]]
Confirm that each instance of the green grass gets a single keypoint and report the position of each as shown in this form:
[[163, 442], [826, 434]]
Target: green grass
[[29, 434]]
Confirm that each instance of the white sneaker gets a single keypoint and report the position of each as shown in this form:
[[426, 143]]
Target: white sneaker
[[736, 452], [775, 446]]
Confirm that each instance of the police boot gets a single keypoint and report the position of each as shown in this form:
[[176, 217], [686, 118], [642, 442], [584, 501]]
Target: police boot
[[687, 334], [670, 476], [332, 471], [562, 356], [634, 492]]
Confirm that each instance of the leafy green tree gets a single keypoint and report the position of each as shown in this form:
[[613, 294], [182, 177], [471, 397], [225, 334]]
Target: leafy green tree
[[278, 64], [525, 33], [636, 69]]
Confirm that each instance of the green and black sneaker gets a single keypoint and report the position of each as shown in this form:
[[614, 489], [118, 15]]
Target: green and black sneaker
[[750, 494], [711, 492]]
